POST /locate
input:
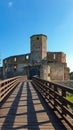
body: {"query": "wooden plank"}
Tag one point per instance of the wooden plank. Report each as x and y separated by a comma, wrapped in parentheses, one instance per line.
(25, 109)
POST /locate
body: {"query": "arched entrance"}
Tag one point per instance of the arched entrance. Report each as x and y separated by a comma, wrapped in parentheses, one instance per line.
(33, 72)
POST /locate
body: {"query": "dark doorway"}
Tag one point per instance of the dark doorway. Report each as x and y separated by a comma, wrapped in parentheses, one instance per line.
(34, 72)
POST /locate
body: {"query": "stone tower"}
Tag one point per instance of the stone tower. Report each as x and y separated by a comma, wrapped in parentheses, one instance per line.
(38, 48)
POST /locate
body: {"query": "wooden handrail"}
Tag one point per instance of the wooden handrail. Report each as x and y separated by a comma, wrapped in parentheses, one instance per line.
(56, 96)
(7, 85)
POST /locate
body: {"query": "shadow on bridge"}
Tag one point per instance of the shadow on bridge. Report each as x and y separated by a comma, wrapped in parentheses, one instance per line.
(52, 118)
(9, 120)
(6, 98)
(35, 106)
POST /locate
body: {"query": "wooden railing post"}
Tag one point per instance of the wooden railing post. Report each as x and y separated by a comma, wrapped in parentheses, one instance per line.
(49, 92)
(63, 103)
(7, 85)
(55, 95)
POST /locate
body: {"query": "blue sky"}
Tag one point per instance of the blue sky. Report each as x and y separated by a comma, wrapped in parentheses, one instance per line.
(19, 19)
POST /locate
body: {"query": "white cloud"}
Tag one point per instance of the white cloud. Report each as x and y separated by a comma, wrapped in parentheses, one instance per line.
(10, 3)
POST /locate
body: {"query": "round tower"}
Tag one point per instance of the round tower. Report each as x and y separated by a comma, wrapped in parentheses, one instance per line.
(38, 48)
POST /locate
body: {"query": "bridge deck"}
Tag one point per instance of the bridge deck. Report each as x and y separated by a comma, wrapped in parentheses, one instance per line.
(25, 109)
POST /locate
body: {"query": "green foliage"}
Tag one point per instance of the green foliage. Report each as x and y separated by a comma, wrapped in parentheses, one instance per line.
(71, 76)
(70, 97)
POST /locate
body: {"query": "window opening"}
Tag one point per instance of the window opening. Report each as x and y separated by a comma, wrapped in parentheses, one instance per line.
(54, 56)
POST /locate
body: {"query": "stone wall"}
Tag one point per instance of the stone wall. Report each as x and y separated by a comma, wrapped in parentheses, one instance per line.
(56, 57)
(56, 71)
(14, 65)
(38, 48)
(45, 72)
(49, 65)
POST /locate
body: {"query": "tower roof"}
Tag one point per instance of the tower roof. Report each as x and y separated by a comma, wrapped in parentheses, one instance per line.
(38, 35)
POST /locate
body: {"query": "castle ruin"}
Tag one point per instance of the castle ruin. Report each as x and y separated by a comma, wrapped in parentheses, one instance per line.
(47, 65)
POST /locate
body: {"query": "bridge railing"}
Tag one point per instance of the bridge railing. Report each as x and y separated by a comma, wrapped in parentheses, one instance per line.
(56, 96)
(7, 85)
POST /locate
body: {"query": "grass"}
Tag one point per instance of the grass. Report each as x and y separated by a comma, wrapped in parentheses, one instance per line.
(70, 97)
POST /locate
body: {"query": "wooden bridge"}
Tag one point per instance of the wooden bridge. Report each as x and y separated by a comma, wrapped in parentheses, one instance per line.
(34, 105)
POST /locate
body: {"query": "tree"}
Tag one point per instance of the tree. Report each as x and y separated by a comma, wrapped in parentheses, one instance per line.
(71, 75)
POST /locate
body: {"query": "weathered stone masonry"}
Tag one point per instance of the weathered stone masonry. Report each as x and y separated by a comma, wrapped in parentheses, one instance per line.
(47, 65)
